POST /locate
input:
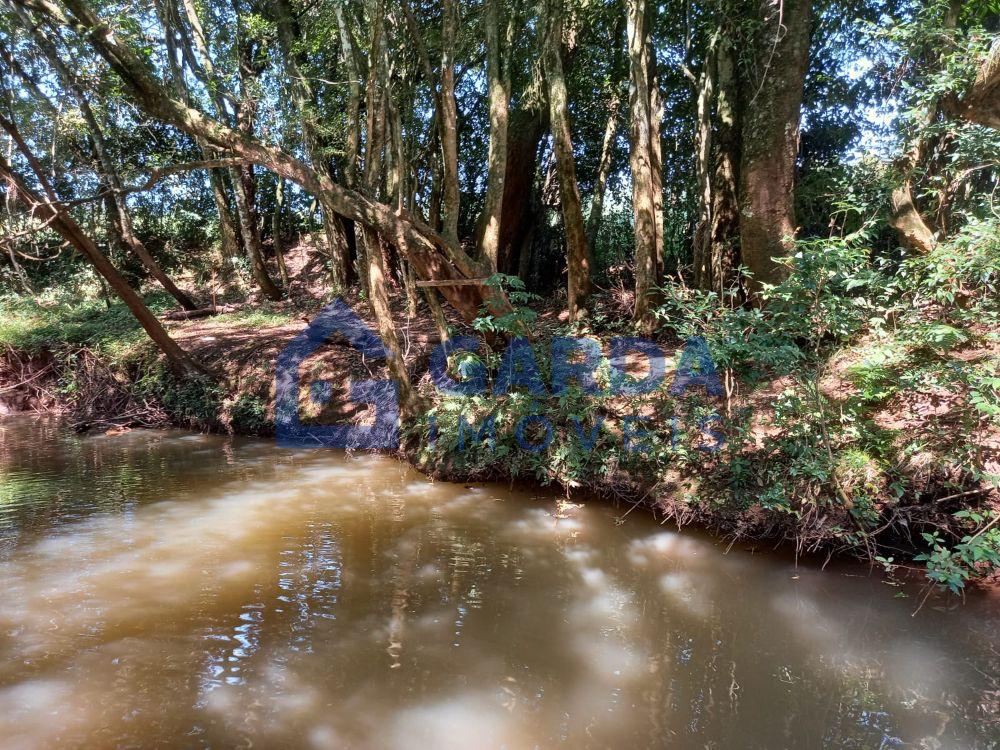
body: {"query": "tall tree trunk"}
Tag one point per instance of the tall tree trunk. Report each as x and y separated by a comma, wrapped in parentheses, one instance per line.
(230, 240)
(577, 264)
(644, 159)
(608, 143)
(349, 55)
(179, 41)
(725, 211)
(603, 172)
(305, 103)
(771, 140)
(251, 236)
(716, 236)
(498, 82)
(58, 219)
(378, 295)
(229, 244)
(527, 127)
(449, 118)
(705, 87)
(249, 67)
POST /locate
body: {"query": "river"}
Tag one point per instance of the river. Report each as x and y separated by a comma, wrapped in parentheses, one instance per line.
(165, 589)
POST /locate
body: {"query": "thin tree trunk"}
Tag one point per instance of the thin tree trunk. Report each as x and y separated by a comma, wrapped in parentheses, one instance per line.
(449, 118)
(229, 235)
(644, 160)
(437, 313)
(305, 102)
(705, 86)
(433, 256)
(603, 172)
(245, 182)
(725, 212)
(577, 264)
(229, 243)
(279, 250)
(107, 172)
(378, 296)
(771, 141)
(607, 144)
(349, 55)
(251, 237)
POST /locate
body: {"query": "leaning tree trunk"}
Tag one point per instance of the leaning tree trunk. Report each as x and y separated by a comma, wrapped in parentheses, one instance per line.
(432, 255)
(905, 217)
(771, 141)
(603, 172)
(644, 159)
(121, 218)
(577, 264)
(55, 216)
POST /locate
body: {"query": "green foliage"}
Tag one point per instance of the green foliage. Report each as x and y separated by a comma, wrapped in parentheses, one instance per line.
(56, 321)
(975, 553)
(248, 415)
(193, 401)
(519, 319)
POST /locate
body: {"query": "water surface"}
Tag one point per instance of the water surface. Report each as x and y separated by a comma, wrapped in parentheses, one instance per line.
(163, 589)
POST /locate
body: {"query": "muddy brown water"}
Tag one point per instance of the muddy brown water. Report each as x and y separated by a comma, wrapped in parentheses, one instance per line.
(163, 589)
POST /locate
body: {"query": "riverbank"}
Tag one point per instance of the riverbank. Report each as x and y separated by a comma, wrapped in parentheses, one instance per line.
(831, 456)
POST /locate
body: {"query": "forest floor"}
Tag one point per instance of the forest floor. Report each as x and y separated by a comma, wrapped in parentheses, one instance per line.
(96, 368)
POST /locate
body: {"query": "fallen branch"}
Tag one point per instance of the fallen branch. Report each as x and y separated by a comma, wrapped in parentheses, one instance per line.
(452, 282)
(23, 383)
(203, 312)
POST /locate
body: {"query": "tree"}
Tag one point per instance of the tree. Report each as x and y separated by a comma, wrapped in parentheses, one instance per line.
(644, 158)
(50, 212)
(119, 213)
(305, 102)
(577, 255)
(498, 74)
(432, 255)
(770, 142)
